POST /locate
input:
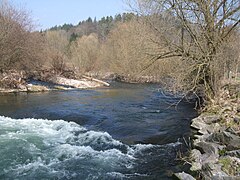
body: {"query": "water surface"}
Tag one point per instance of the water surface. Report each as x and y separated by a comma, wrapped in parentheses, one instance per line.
(122, 132)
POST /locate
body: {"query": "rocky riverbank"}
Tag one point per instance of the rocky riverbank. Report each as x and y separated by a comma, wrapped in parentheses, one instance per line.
(216, 153)
(13, 82)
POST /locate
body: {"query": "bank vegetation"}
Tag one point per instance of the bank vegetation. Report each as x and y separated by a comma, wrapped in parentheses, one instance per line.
(187, 46)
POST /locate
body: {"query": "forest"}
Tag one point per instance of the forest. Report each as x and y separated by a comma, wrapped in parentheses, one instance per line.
(188, 47)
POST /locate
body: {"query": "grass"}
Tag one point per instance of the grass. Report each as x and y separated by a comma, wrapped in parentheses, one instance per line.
(229, 166)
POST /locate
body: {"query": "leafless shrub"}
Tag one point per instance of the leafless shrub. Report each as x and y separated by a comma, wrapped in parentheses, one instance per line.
(20, 47)
(194, 32)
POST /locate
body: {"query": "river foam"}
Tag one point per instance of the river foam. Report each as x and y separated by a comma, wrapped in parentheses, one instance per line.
(40, 148)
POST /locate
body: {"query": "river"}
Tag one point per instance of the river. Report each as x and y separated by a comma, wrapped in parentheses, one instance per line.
(127, 131)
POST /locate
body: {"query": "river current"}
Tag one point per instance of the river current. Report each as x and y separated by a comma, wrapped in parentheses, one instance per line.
(126, 131)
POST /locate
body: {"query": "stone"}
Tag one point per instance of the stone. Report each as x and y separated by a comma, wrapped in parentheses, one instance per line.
(231, 130)
(207, 147)
(231, 141)
(203, 131)
(235, 153)
(199, 125)
(211, 119)
(183, 176)
(198, 138)
(36, 88)
(204, 128)
(81, 84)
(236, 119)
(214, 128)
(196, 123)
(226, 177)
(209, 158)
(210, 170)
(196, 164)
(62, 87)
(217, 148)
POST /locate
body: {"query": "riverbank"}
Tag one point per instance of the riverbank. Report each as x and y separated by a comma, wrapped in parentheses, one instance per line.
(46, 80)
(216, 152)
(13, 82)
(126, 78)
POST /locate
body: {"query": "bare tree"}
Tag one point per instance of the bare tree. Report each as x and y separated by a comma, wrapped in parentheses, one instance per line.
(84, 53)
(128, 48)
(194, 31)
(20, 47)
(57, 45)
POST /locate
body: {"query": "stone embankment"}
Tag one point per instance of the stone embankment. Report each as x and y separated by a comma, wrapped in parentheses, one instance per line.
(216, 140)
(216, 153)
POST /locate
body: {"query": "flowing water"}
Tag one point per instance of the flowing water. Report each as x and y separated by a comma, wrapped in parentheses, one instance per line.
(122, 132)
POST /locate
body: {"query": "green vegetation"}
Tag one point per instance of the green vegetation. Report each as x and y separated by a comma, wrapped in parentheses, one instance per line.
(222, 152)
(229, 165)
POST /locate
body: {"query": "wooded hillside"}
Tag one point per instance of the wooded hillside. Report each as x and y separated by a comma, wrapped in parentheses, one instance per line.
(190, 46)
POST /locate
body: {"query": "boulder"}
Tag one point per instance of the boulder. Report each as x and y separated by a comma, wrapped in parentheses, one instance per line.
(212, 128)
(183, 176)
(231, 141)
(211, 170)
(217, 148)
(74, 83)
(86, 82)
(211, 119)
(204, 128)
(198, 138)
(209, 158)
(235, 153)
(226, 177)
(195, 155)
(199, 124)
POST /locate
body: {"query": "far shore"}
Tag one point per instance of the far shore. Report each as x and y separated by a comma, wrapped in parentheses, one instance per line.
(57, 83)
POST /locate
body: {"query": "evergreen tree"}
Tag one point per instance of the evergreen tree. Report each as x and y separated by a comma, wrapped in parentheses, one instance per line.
(118, 18)
(73, 37)
(89, 20)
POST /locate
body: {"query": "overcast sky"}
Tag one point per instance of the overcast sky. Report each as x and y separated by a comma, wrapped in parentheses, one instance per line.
(48, 13)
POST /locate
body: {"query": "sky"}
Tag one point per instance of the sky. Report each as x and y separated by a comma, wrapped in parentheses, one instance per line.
(48, 13)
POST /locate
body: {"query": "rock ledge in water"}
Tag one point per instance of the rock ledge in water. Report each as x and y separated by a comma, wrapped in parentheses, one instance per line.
(183, 176)
(83, 83)
(58, 83)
